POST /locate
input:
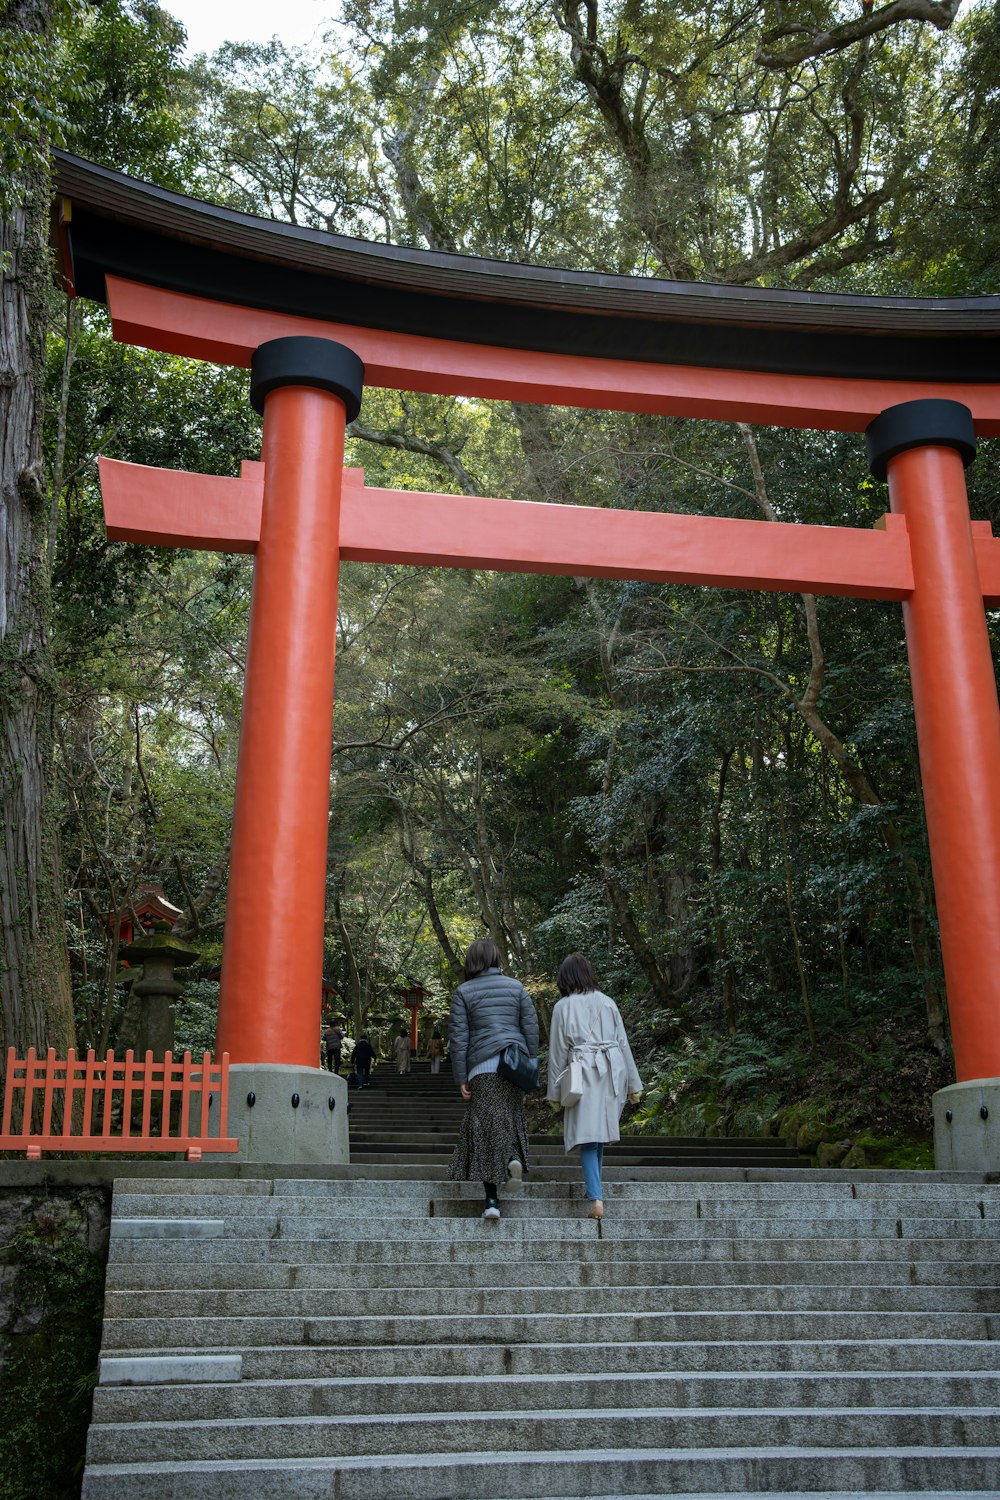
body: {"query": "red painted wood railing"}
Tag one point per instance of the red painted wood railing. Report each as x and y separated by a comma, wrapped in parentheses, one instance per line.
(91, 1105)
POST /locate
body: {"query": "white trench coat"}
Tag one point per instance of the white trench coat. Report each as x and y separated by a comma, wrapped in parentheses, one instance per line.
(589, 1027)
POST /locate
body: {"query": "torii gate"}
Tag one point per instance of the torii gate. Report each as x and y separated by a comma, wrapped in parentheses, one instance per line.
(299, 511)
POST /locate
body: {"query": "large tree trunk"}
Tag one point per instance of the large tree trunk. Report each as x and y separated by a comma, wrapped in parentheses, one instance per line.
(35, 1001)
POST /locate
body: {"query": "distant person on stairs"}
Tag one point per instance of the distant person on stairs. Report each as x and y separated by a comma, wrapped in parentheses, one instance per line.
(591, 1070)
(401, 1051)
(489, 1012)
(364, 1056)
(434, 1050)
(334, 1040)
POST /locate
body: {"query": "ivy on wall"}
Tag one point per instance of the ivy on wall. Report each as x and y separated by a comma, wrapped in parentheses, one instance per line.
(52, 1256)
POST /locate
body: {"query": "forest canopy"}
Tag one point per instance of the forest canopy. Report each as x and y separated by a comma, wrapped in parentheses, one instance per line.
(714, 794)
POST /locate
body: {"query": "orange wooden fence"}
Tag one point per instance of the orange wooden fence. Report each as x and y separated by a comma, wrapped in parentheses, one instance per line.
(91, 1105)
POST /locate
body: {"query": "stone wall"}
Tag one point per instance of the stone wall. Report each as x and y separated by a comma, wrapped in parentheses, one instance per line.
(53, 1252)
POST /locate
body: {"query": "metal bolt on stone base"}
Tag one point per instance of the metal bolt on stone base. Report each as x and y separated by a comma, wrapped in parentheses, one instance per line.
(286, 1115)
(967, 1127)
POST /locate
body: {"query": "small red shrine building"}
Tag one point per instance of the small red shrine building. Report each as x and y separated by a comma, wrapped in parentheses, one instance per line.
(150, 905)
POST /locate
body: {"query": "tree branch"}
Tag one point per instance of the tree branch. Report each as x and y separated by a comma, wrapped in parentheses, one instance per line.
(603, 76)
(938, 13)
(195, 927)
(417, 200)
(844, 215)
(406, 442)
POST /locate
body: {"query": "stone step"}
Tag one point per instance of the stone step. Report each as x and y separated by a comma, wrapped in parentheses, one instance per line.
(398, 1124)
(711, 1196)
(579, 1472)
(361, 1362)
(403, 1126)
(560, 1169)
(168, 1333)
(522, 1302)
(220, 1169)
(341, 1397)
(580, 1242)
(545, 1160)
(810, 1495)
(551, 1200)
(538, 1431)
(569, 1273)
(520, 1224)
(370, 1114)
(619, 1391)
(897, 1188)
(393, 1151)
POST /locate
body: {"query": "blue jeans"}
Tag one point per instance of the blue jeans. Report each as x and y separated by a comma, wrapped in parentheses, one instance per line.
(592, 1160)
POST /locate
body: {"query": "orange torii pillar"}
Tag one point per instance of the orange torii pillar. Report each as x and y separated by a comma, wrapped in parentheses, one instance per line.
(922, 448)
(288, 1109)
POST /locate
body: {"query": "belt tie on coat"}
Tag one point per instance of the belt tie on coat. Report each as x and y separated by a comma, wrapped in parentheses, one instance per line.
(606, 1058)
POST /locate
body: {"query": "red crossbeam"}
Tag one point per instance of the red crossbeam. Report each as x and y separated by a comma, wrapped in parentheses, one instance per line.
(171, 508)
(227, 334)
(166, 507)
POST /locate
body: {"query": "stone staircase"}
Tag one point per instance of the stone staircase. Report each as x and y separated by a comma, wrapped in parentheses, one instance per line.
(731, 1331)
(413, 1120)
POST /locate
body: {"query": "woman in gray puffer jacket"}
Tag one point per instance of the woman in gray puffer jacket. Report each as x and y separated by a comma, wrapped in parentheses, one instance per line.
(489, 1012)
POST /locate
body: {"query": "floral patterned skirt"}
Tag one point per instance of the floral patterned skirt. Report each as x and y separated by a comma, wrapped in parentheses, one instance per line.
(494, 1131)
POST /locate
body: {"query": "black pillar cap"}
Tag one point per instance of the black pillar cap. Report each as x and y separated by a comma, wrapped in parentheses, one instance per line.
(321, 363)
(919, 424)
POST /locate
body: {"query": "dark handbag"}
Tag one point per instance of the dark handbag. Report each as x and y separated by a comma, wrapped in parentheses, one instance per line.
(518, 1068)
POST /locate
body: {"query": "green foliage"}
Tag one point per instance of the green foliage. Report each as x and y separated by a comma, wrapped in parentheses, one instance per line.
(50, 1369)
(131, 115)
(711, 1085)
(897, 1156)
(38, 84)
(195, 1014)
(871, 1086)
(283, 138)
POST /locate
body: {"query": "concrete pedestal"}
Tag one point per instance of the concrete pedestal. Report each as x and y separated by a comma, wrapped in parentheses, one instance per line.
(967, 1126)
(277, 1129)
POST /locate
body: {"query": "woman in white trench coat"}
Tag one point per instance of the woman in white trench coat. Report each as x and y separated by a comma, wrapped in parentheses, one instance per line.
(589, 1055)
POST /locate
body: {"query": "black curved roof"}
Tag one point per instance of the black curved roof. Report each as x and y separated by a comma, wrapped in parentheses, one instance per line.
(120, 226)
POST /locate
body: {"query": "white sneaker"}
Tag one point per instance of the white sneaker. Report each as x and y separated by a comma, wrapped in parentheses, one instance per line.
(492, 1209)
(515, 1175)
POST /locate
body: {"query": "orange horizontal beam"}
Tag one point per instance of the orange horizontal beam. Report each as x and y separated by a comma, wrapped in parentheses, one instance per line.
(449, 531)
(226, 334)
(172, 508)
(988, 562)
(166, 507)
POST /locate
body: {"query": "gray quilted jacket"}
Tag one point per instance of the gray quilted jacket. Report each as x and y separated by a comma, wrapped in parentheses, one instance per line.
(487, 1014)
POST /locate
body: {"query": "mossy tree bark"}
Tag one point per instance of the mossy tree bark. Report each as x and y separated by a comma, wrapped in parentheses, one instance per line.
(35, 1001)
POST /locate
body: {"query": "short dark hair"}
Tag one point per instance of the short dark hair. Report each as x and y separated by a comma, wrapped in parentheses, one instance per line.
(483, 954)
(576, 975)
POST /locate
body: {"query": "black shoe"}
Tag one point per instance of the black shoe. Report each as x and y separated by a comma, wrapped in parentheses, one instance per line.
(492, 1209)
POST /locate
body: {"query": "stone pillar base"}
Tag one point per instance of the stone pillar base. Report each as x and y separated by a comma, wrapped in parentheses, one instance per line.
(275, 1130)
(967, 1126)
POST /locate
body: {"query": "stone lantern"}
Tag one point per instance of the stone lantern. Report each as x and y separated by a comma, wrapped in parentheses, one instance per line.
(152, 998)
